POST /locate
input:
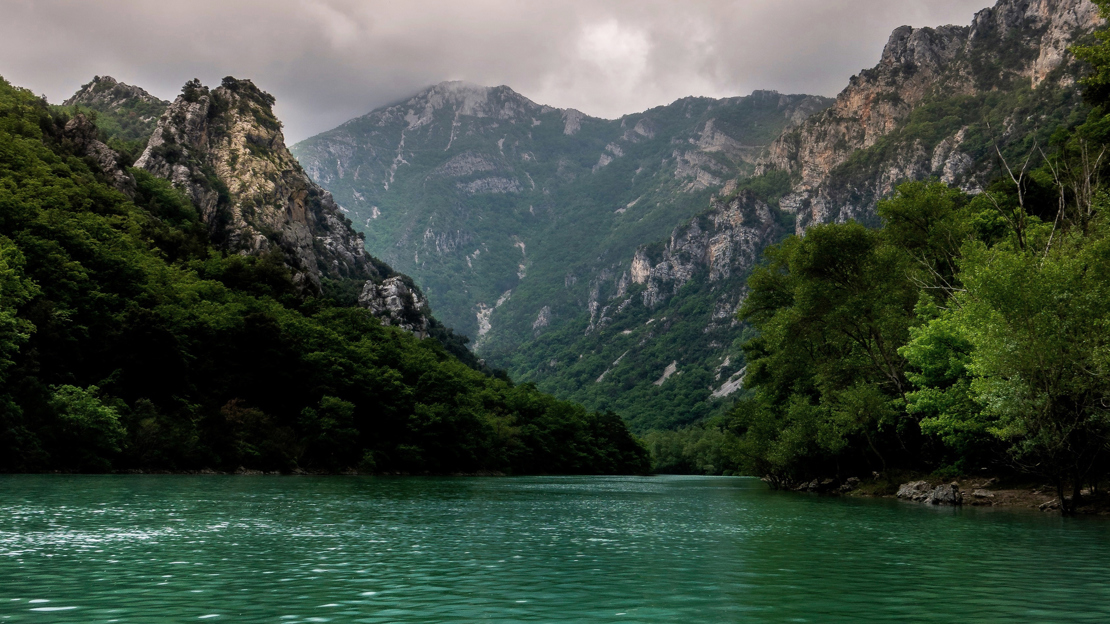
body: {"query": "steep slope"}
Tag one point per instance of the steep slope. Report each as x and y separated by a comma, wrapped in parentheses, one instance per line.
(125, 112)
(129, 342)
(225, 148)
(940, 103)
(660, 344)
(503, 209)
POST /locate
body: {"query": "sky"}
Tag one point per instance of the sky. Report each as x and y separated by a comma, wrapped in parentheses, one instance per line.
(327, 61)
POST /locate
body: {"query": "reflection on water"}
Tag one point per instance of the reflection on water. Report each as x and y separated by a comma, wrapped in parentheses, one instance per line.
(586, 549)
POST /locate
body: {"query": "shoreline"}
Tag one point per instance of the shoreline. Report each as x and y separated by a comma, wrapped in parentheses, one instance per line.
(994, 492)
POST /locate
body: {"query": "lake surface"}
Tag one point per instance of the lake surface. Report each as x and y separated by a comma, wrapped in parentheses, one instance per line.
(582, 549)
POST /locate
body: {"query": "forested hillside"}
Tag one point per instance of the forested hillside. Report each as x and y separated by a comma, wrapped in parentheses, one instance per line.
(130, 339)
(968, 333)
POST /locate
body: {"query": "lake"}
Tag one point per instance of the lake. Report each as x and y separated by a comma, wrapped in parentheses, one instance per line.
(531, 549)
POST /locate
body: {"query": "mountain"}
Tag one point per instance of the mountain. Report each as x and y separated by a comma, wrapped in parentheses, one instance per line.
(942, 102)
(185, 323)
(939, 104)
(125, 112)
(225, 148)
(502, 209)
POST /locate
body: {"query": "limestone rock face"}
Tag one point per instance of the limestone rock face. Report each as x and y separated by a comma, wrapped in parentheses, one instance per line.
(946, 494)
(225, 148)
(727, 240)
(83, 134)
(915, 490)
(916, 65)
(396, 303)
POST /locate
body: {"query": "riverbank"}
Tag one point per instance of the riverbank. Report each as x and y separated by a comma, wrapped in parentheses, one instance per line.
(1008, 492)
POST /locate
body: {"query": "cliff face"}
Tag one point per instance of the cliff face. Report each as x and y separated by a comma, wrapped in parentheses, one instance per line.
(1018, 45)
(225, 148)
(85, 138)
(726, 241)
(660, 342)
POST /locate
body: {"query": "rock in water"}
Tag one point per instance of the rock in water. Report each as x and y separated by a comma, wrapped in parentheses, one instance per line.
(915, 490)
(947, 494)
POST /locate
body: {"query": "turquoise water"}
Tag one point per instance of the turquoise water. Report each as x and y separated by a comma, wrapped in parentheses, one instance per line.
(581, 549)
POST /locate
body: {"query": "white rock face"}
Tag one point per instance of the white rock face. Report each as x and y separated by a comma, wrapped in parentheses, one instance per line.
(396, 304)
(727, 240)
(915, 64)
(734, 383)
(270, 201)
(543, 319)
(671, 369)
(572, 120)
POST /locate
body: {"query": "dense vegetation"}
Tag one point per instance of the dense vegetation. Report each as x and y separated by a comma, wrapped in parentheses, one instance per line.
(128, 341)
(967, 333)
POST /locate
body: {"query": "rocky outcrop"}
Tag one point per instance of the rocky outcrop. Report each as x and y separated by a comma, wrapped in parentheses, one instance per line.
(397, 303)
(105, 92)
(225, 148)
(727, 240)
(1016, 39)
(921, 491)
(84, 136)
(129, 111)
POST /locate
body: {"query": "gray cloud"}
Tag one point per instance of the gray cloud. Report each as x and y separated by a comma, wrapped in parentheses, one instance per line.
(329, 60)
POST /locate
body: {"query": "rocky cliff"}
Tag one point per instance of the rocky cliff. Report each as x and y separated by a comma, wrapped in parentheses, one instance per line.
(225, 148)
(660, 342)
(725, 241)
(951, 77)
(105, 92)
(124, 110)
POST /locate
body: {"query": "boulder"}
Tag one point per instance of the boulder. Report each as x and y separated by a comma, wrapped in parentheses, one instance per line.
(851, 483)
(914, 490)
(947, 494)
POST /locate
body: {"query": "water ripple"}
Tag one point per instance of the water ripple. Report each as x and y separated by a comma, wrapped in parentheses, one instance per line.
(662, 549)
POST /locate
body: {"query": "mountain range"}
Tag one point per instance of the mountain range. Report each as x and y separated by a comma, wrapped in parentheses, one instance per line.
(604, 260)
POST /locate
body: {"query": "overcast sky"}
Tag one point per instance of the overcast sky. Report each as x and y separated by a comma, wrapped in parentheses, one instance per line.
(327, 61)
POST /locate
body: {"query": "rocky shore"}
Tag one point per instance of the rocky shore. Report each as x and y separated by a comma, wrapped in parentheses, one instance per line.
(974, 492)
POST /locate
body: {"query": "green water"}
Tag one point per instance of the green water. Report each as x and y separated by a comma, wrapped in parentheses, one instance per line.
(586, 549)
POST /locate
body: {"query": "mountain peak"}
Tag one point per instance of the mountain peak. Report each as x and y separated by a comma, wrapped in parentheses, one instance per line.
(263, 200)
(105, 92)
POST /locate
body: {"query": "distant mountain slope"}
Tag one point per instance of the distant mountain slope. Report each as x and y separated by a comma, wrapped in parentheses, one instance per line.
(503, 209)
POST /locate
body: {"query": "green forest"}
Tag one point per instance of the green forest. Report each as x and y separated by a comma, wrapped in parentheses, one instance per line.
(128, 341)
(966, 334)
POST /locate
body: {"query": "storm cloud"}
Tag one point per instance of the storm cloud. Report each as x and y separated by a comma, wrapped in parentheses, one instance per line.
(327, 61)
